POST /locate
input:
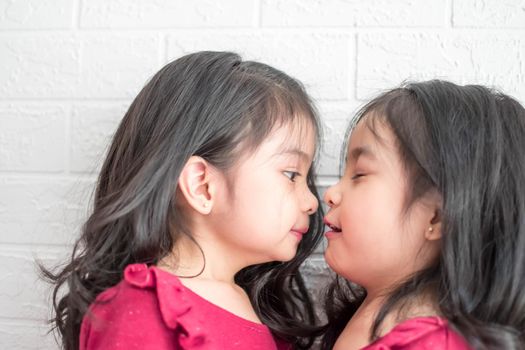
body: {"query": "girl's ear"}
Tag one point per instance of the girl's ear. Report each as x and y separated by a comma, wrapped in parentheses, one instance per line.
(195, 183)
(433, 231)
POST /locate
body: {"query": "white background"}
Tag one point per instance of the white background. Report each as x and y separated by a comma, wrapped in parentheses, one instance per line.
(69, 69)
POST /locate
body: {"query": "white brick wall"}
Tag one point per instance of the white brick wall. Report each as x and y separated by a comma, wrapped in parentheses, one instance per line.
(69, 69)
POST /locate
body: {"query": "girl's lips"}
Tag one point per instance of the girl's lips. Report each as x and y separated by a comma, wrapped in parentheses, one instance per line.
(331, 226)
(299, 232)
(332, 234)
(334, 230)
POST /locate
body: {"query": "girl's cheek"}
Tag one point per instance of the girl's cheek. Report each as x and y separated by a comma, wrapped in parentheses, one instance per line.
(346, 213)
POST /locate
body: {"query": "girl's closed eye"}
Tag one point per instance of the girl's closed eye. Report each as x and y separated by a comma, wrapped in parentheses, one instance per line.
(356, 176)
(291, 175)
(358, 172)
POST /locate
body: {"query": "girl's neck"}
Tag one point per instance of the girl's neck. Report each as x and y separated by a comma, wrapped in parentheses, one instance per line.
(212, 278)
(356, 334)
(205, 261)
(411, 306)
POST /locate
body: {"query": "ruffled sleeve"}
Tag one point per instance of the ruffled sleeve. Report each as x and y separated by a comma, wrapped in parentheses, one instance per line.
(149, 309)
(174, 304)
(424, 333)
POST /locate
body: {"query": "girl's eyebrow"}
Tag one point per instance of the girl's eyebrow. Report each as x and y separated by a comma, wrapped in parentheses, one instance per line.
(357, 152)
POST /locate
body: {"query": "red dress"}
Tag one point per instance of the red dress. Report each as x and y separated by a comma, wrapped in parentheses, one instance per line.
(152, 309)
(424, 333)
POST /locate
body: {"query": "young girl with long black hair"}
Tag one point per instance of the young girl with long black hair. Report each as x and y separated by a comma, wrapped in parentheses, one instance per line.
(204, 210)
(428, 222)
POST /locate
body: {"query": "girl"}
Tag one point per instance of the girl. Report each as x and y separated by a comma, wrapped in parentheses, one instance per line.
(429, 221)
(204, 210)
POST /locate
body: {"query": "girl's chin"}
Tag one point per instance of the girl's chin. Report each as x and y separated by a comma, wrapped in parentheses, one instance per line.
(284, 256)
(332, 262)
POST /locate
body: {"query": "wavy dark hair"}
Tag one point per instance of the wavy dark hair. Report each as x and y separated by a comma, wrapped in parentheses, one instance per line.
(208, 104)
(468, 143)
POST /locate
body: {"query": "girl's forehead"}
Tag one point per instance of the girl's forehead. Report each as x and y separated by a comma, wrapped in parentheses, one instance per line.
(371, 135)
(299, 133)
(364, 132)
(285, 140)
(302, 137)
(291, 139)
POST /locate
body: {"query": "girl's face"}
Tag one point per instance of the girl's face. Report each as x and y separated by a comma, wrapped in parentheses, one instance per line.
(371, 241)
(266, 212)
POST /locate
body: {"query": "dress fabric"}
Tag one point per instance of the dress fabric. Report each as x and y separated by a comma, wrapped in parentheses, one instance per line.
(424, 333)
(151, 309)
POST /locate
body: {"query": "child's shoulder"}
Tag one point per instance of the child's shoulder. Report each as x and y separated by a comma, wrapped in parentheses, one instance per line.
(146, 306)
(421, 333)
(144, 288)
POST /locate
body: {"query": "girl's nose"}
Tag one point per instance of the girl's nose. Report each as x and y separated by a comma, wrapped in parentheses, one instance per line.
(312, 203)
(332, 197)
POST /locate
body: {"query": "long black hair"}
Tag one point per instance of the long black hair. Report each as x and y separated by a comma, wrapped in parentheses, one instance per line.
(468, 143)
(208, 104)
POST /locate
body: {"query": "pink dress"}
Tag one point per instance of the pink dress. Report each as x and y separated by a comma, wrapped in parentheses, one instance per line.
(424, 333)
(151, 309)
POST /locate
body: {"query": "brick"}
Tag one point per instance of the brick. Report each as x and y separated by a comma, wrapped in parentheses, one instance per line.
(43, 211)
(38, 66)
(23, 335)
(344, 13)
(36, 14)
(117, 66)
(463, 58)
(92, 129)
(23, 294)
(320, 60)
(336, 119)
(167, 13)
(317, 277)
(25, 134)
(69, 66)
(489, 13)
